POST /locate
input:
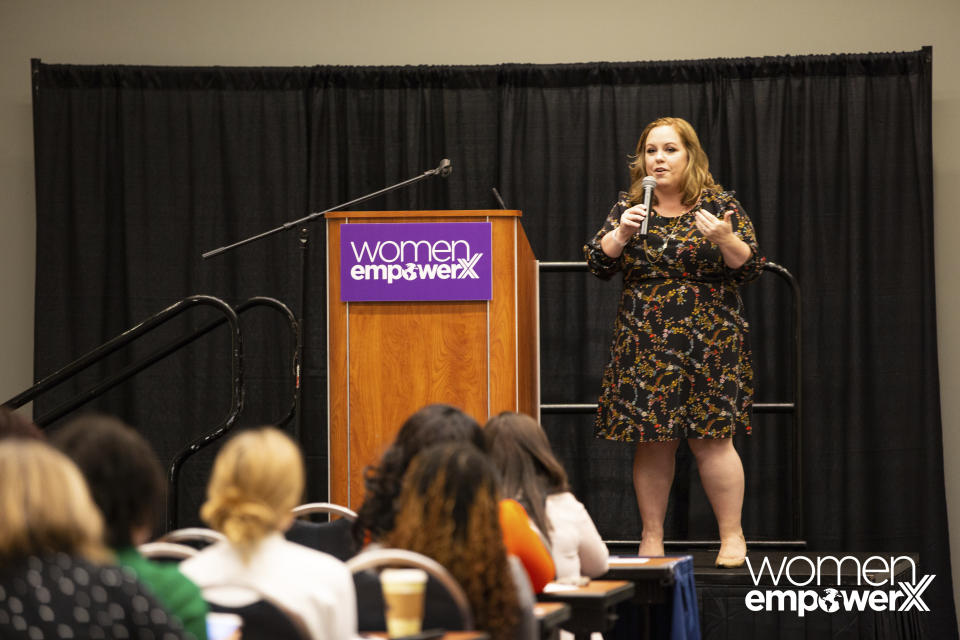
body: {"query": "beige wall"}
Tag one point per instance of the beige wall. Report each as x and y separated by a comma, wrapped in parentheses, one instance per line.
(372, 32)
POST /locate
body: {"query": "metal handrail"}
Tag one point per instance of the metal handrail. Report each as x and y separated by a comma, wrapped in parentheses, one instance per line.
(205, 440)
(173, 473)
(230, 316)
(793, 407)
(796, 300)
(96, 355)
(125, 338)
(295, 357)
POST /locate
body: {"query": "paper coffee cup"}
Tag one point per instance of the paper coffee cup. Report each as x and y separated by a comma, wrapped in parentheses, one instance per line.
(403, 591)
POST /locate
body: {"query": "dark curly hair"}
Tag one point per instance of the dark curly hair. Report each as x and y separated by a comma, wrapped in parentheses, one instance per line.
(433, 424)
(448, 510)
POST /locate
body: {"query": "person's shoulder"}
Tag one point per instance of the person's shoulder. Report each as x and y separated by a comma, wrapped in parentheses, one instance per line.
(164, 577)
(179, 594)
(564, 497)
(120, 581)
(511, 509)
(303, 556)
(718, 196)
(565, 501)
(306, 564)
(208, 563)
(717, 201)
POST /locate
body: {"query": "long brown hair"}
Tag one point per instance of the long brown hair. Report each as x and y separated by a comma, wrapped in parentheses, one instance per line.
(696, 175)
(449, 510)
(521, 451)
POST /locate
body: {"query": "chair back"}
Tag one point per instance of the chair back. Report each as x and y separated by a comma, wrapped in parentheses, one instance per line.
(195, 536)
(160, 551)
(381, 558)
(335, 537)
(324, 507)
(264, 618)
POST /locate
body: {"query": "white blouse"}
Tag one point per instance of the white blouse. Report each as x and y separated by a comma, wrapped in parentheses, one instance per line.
(313, 584)
(576, 545)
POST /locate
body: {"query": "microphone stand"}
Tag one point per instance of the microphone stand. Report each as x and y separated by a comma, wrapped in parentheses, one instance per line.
(443, 169)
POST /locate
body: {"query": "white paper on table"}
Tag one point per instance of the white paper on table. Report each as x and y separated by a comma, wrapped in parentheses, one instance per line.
(618, 561)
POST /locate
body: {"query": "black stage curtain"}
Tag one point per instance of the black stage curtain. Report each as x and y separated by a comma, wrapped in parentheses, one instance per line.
(140, 169)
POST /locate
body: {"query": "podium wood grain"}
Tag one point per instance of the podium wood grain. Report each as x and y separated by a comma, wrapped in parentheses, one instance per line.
(388, 359)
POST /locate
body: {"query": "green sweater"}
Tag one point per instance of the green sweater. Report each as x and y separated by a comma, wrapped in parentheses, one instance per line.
(180, 596)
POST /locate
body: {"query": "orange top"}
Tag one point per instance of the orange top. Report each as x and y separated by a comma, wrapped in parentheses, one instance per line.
(523, 541)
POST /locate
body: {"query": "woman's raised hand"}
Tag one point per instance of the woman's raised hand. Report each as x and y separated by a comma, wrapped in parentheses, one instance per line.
(716, 230)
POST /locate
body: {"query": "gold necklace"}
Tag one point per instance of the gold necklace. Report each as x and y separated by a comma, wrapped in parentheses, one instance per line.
(674, 228)
(673, 233)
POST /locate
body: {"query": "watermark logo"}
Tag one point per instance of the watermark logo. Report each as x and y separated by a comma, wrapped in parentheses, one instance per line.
(804, 584)
(415, 261)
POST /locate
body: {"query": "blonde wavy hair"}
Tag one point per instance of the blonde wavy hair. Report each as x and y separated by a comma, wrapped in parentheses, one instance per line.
(696, 175)
(257, 479)
(449, 510)
(45, 505)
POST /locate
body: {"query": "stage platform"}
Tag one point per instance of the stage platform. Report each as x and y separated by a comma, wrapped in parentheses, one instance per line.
(789, 595)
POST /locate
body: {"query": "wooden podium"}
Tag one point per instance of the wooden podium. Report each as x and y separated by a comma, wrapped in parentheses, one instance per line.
(385, 360)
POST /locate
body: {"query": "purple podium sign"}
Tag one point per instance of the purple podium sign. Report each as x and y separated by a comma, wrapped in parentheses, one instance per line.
(415, 261)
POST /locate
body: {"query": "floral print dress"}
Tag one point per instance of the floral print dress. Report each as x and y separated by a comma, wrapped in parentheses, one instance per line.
(680, 363)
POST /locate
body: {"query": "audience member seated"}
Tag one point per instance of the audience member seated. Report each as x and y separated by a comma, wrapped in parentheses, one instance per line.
(257, 479)
(127, 483)
(448, 509)
(15, 425)
(531, 473)
(432, 425)
(55, 576)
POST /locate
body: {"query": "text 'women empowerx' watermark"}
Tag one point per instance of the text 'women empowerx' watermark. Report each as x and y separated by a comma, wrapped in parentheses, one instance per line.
(870, 584)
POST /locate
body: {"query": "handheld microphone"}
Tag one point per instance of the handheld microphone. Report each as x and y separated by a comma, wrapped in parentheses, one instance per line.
(649, 183)
(444, 168)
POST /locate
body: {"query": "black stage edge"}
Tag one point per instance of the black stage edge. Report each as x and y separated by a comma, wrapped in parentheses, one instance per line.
(722, 597)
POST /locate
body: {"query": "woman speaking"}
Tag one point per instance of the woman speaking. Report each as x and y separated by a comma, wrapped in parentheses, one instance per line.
(680, 359)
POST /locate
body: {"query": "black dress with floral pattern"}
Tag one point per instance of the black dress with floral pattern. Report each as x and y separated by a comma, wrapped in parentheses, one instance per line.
(680, 363)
